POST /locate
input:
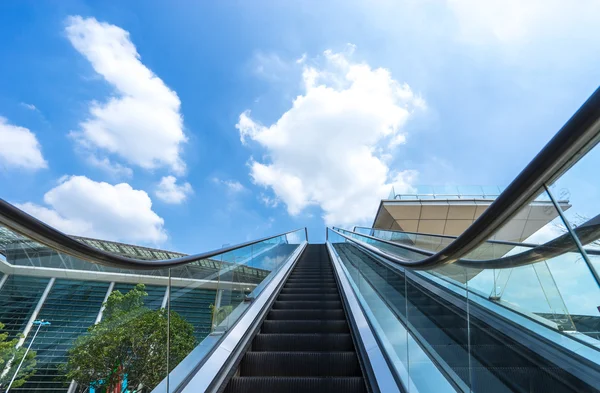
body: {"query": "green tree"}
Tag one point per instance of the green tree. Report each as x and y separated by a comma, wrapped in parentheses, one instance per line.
(219, 314)
(10, 357)
(130, 342)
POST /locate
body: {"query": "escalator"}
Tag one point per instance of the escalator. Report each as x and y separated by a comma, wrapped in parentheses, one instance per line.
(304, 344)
(479, 351)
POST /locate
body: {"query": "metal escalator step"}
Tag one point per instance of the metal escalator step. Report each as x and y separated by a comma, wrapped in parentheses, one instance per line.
(308, 290)
(296, 385)
(313, 268)
(310, 285)
(309, 276)
(308, 296)
(309, 273)
(536, 379)
(306, 342)
(316, 279)
(453, 321)
(434, 309)
(316, 282)
(307, 305)
(305, 326)
(500, 355)
(447, 336)
(300, 364)
(454, 355)
(306, 314)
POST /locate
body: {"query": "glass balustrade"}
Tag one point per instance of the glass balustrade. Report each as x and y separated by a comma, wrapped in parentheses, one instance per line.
(115, 329)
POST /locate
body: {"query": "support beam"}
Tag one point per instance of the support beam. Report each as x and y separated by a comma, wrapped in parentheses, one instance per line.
(36, 312)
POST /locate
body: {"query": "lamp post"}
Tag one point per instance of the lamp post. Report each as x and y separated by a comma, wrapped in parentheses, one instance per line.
(40, 324)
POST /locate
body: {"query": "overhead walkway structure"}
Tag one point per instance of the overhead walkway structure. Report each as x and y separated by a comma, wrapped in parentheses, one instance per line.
(370, 310)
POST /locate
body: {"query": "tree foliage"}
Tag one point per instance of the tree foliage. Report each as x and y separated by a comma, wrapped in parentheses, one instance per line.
(130, 342)
(219, 314)
(10, 357)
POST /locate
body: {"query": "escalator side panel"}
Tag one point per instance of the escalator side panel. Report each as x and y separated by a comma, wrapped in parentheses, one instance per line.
(484, 358)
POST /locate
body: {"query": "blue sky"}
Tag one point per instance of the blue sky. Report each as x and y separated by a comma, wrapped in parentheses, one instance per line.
(189, 126)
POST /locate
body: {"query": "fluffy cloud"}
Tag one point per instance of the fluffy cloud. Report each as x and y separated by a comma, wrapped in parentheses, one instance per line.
(112, 168)
(142, 122)
(328, 149)
(80, 206)
(20, 147)
(169, 191)
(233, 186)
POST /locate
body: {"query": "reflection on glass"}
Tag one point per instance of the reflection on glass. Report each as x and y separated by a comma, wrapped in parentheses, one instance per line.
(558, 291)
(107, 312)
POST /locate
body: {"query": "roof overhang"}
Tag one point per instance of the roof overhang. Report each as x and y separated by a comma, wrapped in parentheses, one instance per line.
(453, 216)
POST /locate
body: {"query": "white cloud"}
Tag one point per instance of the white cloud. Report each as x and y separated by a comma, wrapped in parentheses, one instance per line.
(519, 22)
(31, 107)
(233, 186)
(80, 206)
(112, 168)
(327, 149)
(142, 122)
(169, 191)
(268, 201)
(19, 147)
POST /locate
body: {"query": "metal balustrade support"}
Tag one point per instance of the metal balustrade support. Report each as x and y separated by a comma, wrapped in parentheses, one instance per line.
(574, 237)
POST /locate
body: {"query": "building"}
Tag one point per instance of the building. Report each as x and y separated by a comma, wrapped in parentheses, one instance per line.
(39, 283)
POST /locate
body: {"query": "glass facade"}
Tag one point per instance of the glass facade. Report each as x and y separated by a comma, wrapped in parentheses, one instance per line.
(153, 301)
(18, 297)
(71, 307)
(193, 304)
(38, 283)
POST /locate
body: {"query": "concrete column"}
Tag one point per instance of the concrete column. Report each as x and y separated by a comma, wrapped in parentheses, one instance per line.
(165, 298)
(36, 312)
(3, 280)
(111, 287)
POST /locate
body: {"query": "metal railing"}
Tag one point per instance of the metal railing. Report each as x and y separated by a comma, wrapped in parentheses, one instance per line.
(34, 229)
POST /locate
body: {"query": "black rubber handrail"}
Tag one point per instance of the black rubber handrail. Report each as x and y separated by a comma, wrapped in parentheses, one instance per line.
(587, 232)
(580, 134)
(34, 229)
(504, 242)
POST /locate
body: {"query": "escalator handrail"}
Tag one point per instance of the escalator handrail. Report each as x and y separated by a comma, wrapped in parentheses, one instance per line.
(561, 245)
(587, 233)
(504, 242)
(32, 228)
(580, 134)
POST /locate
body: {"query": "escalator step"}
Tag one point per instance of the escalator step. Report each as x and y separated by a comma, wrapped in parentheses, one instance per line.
(314, 268)
(296, 385)
(321, 279)
(305, 326)
(318, 342)
(304, 344)
(310, 285)
(300, 364)
(307, 305)
(308, 290)
(308, 296)
(446, 321)
(448, 336)
(306, 314)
